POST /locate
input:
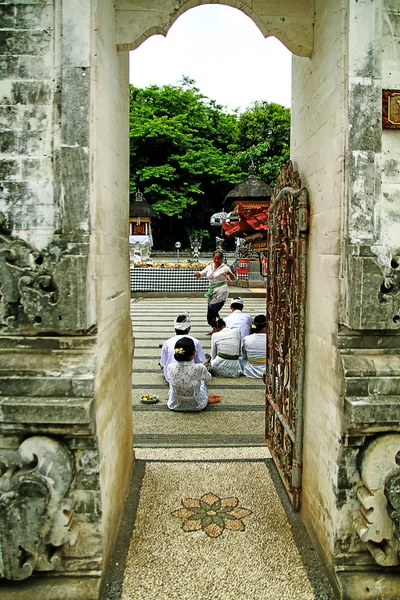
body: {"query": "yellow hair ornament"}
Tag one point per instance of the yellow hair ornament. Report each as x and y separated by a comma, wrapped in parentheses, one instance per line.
(179, 351)
(253, 326)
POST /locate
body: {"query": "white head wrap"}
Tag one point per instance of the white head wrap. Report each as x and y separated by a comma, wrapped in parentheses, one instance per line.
(237, 301)
(185, 323)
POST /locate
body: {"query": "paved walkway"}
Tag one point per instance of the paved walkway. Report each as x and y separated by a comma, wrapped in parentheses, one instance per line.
(207, 517)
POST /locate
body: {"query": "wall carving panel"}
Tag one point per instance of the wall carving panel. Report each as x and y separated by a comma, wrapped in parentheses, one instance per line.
(378, 495)
(41, 290)
(35, 511)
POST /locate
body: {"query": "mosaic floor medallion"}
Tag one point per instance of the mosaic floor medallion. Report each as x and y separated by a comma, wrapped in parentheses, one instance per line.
(211, 514)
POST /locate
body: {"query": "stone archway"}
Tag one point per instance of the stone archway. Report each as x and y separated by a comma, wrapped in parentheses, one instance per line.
(292, 25)
(65, 330)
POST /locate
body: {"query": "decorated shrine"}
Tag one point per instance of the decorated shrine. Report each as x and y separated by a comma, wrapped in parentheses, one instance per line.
(140, 236)
(248, 223)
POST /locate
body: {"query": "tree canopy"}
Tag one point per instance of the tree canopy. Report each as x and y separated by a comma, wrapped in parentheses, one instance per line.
(187, 152)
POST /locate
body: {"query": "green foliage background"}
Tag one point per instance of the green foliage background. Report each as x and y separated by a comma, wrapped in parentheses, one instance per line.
(187, 152)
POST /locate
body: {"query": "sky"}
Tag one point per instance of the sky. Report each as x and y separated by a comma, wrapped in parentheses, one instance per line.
(223, 50)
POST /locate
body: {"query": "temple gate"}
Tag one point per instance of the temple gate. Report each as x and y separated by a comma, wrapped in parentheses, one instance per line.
(286, 296)
(65, 342)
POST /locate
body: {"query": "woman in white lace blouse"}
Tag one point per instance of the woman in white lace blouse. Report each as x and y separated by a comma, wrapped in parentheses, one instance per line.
(187, 380)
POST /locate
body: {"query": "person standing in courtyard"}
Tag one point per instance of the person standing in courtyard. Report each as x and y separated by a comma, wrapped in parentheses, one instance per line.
(254, 349)
(182, 326)
(218, 274)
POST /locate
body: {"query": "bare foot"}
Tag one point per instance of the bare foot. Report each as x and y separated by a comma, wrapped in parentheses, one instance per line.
(214, 399)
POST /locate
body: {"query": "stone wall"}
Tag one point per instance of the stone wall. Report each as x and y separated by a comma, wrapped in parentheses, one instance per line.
(318, 139)
(65, 330)
(291, 22)
(113, 382)
(352, 373)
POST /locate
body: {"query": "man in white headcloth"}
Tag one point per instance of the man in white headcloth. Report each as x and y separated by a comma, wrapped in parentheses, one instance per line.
(182, 326)
(238, 319)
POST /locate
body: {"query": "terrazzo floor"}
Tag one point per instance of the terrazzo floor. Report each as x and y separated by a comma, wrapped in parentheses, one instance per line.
(207, 517)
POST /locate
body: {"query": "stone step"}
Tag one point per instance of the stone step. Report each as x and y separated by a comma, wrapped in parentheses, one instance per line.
(65, 387)
(59, 411)
(197, 441)
(211, 423)
(371, 411)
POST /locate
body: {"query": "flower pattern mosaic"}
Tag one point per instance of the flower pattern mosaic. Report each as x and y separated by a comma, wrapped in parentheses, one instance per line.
(211, 514)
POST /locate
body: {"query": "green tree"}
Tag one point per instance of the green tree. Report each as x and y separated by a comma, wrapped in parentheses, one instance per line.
(187, 152)
(264, 138)
(182, 147)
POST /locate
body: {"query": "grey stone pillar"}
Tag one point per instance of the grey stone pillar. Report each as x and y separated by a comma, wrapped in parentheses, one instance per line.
(56, 391)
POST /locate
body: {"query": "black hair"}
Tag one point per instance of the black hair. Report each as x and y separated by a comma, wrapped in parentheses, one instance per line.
(259, 322)
(184, 349)
(237, 306)
(218, 252)
(218, 323)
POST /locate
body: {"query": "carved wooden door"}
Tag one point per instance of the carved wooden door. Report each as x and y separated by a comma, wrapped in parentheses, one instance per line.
(286, 290)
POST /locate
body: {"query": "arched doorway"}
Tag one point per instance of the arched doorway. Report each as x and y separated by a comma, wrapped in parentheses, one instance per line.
(64, 285)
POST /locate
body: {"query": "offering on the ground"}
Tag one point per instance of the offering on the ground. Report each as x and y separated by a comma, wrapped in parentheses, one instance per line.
(214, 399)
(186, 264)
(149, 399)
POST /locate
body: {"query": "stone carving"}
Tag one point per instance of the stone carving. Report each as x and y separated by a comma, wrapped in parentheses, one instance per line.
(392, 492)
(35, 514)
(41, 290)
(378, 494)
(195, 245)
(24, 279)
(389, 292)
(140, 252)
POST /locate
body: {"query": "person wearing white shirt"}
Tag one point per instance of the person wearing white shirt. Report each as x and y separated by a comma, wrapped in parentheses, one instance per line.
(218, 275)
(182, 326)
(238, 319)
(225, 349)
(254, 349)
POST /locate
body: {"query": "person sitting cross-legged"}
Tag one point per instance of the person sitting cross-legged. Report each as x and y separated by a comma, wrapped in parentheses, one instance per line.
(182, 326)
(225, 348)
(187, 381)
(254, 349)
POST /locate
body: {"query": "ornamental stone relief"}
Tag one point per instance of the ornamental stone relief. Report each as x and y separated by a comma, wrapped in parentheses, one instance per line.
(35, 511)
(378, 524)
(41, 290)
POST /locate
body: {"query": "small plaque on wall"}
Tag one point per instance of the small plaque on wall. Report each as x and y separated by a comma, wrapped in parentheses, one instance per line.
(391, 109)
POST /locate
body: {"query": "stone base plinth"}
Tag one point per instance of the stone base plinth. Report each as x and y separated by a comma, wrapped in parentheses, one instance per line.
(51, 588)
(370, 585)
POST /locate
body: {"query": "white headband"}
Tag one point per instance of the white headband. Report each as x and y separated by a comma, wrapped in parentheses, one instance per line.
(237, 301)
(185, 324)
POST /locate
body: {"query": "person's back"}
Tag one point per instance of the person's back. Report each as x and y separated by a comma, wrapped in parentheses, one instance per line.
(187, 387)
(186, 377)
(239, 320)
(225, 349)
(226, 341)
(254, 349)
